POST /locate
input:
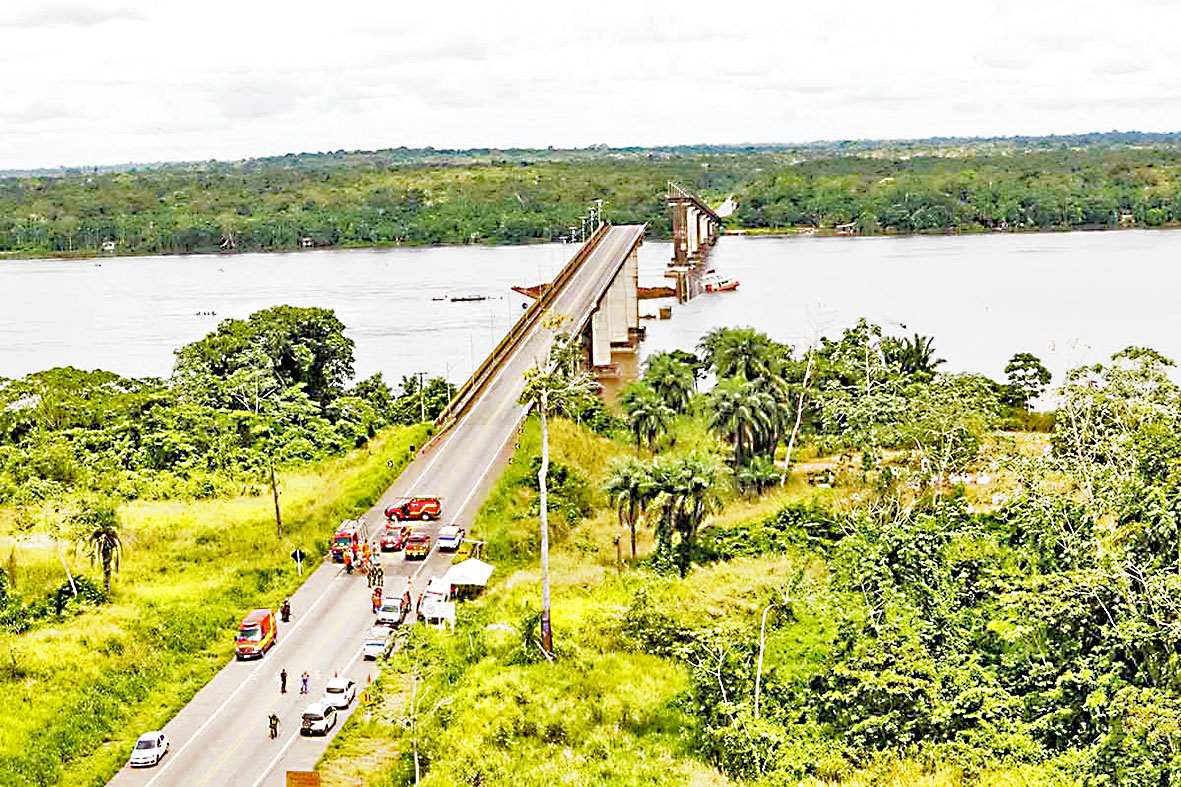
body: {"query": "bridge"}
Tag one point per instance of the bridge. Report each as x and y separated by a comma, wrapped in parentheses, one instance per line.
(221, 736)
(695, 230)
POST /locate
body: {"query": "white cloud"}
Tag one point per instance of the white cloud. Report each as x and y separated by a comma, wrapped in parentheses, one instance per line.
(117, 80)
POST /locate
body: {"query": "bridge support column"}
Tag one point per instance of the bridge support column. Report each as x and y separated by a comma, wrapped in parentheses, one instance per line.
(631, 280)
(601, 336)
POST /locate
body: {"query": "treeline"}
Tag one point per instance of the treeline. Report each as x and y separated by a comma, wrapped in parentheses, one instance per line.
(257, 393)
(425, 197)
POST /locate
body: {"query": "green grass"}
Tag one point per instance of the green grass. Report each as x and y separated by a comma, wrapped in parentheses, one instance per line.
(80, 691)
(603, 714)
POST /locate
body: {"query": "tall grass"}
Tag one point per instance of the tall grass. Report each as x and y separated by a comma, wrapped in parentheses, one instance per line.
(603, 714)
(80, 691)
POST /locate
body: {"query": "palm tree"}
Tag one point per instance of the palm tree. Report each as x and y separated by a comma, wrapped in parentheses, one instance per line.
(739, 352)
(648, 416)
(698, 497)
(914, 356)
(742, 415)
(101, 539)
(673, 380)
(681, 491)
(628, 489)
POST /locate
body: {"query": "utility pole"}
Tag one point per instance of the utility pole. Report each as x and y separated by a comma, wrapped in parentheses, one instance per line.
(422, 394)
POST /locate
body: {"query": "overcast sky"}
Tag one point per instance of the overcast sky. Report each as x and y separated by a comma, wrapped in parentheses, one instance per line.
(109, 81)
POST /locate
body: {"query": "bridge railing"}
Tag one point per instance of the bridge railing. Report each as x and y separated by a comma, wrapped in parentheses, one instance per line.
(468, 391)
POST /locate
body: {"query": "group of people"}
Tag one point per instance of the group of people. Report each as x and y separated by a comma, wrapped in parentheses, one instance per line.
(363, 558)
(273, 719)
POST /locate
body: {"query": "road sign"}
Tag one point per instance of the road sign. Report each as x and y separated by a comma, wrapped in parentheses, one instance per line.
(303, 779)
(298, 555)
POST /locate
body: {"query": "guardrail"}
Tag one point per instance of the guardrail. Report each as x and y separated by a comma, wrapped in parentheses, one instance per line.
(467, 392)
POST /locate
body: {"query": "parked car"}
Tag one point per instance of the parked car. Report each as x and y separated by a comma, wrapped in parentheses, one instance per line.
(418, 546)
(392, 612)
(415, 508)
(450, 538)
(437, 589)
(256, 634)
(318, 718)
(149, 749)
(377, 642)
(394, 537)
(340, 693)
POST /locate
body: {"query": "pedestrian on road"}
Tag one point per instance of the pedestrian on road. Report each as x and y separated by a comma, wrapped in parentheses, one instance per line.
(303, 686)
(273, 721)
(376, 599)
(283, 682)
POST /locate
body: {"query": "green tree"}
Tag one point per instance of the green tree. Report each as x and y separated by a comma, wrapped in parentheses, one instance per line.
(1027, 380)
(627, 486)
(672, 379)
(747, 417)
(99, 537)
(648, 417)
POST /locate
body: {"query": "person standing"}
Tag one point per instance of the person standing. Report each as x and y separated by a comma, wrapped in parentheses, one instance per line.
(283, 682)
(303, 682)
(273, 722)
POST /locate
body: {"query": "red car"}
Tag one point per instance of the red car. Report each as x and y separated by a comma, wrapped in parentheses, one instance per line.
(394, 537)
(415, 508)
(418, 546)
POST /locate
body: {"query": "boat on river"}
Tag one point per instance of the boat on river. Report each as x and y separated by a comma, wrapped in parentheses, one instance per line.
(716, 282)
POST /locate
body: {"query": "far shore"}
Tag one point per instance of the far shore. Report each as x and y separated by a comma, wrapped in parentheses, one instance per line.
(761, 232)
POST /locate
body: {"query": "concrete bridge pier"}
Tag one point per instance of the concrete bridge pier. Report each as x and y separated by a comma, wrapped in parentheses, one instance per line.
(695, 231)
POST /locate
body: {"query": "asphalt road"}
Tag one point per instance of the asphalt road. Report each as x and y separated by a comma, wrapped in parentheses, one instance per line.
(221, 736)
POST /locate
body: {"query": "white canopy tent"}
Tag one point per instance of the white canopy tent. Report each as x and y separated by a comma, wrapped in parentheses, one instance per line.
(469, 572)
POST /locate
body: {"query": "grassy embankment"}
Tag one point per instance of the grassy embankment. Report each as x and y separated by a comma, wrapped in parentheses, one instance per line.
(80, 691)
(490, 710)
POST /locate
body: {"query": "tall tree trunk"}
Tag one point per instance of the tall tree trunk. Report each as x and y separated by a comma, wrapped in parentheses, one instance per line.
(547, 640)
(795, 430)
(275, 495)
(106, 556)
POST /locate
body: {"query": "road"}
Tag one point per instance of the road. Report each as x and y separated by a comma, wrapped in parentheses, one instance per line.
(221, 737)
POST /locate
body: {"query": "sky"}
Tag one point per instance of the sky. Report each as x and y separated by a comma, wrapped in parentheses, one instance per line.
(87, 82)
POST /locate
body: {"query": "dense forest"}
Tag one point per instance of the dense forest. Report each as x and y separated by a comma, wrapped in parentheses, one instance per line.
(422, 197)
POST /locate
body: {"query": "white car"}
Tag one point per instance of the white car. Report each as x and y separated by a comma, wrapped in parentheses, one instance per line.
(377, 642)
(450, 538)
(391, 612)
(437, 589)
(149, 749)
(318, 718)
(340, 693)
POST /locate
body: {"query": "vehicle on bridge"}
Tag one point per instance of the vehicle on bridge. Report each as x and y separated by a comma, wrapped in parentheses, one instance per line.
(348, 537)
(450, 538)
(318, 719)
(256, 634)
(424, 508)
(418, 546)
(394, 537)
(149, 749)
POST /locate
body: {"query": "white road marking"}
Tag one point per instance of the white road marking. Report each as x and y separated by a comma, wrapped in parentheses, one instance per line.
(253, 674)
(271, 766)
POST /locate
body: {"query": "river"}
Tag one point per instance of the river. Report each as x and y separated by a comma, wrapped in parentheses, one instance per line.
(1070, 298)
